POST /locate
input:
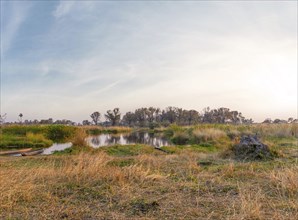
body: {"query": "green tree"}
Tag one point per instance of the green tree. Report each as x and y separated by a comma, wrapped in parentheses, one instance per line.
(95, 117)
(20, 117)
(113, 116)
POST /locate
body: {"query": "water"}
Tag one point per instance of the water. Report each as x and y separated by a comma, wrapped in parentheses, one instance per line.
(51, 149)
(112, 139)
(125, 139)
(56, 147)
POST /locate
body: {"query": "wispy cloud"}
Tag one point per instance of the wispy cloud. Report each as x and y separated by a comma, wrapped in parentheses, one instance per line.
(11, 22)
(63, 8)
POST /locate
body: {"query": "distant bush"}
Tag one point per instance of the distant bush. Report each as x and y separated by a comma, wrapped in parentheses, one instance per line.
(173, 129)
(153, 125)
(180, 138)
(59, 132)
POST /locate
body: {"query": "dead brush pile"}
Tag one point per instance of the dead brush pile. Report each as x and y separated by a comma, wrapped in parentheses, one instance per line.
(250, 148)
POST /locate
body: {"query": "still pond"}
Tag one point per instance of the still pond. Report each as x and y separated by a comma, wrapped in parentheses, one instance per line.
(115, 139)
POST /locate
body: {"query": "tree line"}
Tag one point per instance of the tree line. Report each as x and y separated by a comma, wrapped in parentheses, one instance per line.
(155, 117)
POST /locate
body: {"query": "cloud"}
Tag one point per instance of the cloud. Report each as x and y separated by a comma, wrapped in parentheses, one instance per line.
(63, 8)
(99, 54)
(17, 13)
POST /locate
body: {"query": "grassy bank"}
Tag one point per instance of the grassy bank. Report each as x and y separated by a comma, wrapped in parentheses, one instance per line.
(29, 140)
(20, 136)
(96, 130)
(225, 133)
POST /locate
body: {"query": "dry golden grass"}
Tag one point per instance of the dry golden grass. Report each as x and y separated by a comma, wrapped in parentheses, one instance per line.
(148, 186)
(79, 138)
(278, 130)
(119, 129)
(285, 181)
(208, 134)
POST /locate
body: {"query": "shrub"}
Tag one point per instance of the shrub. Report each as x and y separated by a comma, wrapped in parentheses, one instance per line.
(79, 138)
(59, 132)
(180, 138)
(153, 125)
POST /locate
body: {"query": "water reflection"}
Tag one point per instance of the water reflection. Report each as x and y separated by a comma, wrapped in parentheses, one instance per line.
(112, 139)
(125, 139)
(56, 147)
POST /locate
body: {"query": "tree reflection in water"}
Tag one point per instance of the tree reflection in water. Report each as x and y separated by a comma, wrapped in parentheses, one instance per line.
(124, 139)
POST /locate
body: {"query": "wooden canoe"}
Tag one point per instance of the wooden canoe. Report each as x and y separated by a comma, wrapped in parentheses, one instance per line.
(15, 151)
(32, 153)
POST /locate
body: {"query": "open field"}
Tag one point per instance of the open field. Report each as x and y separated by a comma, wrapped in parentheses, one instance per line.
(197, 181)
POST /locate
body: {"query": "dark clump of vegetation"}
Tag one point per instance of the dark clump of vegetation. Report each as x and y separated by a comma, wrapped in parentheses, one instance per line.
(250, 148)
(59, 132)
(180, 138)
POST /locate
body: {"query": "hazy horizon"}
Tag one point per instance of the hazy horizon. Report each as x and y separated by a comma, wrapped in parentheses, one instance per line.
(67, 59)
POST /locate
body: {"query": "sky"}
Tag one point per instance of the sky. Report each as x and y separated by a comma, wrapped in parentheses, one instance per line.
(67, 59)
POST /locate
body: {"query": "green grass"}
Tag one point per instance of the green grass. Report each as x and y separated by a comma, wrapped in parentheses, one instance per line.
(73, 150)
(59, 132)
(30, 140)
(22, 130)
(127, 150)
(194, 148)
(34, 136)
